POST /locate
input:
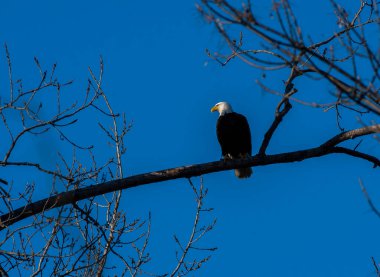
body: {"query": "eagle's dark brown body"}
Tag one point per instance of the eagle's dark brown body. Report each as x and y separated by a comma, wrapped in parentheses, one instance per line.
(234, 136)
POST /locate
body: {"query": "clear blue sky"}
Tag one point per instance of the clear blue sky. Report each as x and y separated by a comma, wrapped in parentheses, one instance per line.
(301, 219)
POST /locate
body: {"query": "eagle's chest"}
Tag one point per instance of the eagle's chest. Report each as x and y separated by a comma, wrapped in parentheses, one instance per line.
(233, 134)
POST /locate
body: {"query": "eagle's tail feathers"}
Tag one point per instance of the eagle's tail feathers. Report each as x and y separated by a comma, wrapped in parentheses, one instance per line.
(243, 172)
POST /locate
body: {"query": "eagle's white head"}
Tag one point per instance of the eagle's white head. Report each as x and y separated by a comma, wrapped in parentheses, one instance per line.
(222, 108)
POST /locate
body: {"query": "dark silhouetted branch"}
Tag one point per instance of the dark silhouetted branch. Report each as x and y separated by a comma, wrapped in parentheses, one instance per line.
(281, 110)
(352, 134)
(70, 197)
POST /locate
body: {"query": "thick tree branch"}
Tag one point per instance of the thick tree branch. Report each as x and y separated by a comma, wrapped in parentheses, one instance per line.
(70, 197)
(352, 134)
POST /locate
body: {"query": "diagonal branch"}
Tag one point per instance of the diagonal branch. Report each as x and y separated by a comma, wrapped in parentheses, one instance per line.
(352, 134)
(72, 196)
(369, 200)
(280, 114)
(282, 109)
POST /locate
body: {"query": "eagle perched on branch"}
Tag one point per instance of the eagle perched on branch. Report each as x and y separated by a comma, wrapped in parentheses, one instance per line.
(234, 136)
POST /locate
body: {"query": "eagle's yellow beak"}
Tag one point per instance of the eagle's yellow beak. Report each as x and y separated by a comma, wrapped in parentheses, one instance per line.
(215, 108)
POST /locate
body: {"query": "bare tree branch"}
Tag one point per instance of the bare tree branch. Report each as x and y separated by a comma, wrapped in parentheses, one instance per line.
(352, 135)
(376, 267)
(73, 196)
(281, 110)
(184, 267)
(368, 198)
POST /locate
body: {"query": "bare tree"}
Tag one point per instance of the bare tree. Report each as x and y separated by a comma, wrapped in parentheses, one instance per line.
(90, 198)
(75, 239)
(346, 59)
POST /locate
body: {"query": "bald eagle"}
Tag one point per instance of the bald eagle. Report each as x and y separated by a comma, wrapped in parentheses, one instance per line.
(234, 136)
